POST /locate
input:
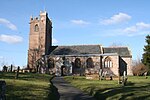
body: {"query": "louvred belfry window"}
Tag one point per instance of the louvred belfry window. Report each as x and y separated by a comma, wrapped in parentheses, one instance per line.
(36, 28)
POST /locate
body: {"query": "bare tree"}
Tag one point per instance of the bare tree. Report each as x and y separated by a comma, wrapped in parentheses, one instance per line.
(139, 68)
(116, 44)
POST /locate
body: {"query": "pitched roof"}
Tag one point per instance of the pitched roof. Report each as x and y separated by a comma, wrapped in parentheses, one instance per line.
(122, 51)
(76, 50)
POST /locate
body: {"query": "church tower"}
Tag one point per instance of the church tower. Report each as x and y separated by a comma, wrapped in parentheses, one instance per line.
(40, 38)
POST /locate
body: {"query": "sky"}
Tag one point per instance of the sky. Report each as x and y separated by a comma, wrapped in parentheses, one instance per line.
(75, 22)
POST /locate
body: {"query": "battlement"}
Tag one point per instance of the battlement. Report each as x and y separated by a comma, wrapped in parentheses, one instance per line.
(34, 18)
(42, 13)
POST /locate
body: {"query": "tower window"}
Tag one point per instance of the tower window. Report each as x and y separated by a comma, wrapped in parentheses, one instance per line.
(36, 28)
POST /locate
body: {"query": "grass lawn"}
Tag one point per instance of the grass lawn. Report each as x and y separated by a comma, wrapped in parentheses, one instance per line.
(29, 86)
(138, 88)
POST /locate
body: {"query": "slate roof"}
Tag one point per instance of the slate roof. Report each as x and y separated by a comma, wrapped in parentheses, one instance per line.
(77, 50)
(122, 51)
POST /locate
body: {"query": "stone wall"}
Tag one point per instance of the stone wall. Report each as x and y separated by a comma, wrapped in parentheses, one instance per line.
(128, 60)
(68, 63)
(115, 65)
(83, 68)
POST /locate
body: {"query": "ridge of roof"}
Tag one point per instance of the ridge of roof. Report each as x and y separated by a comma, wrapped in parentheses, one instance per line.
(116, 47)
(80, 45)
(121, 50)
(77, 49)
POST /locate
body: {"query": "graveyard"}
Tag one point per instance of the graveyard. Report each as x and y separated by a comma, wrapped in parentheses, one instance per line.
(137, 88)
(29, 86)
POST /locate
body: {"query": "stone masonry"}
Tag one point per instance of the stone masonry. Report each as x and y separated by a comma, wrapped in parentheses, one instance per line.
(75, 59)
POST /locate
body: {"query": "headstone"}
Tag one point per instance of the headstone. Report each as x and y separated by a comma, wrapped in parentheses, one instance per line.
(100, 74)
(145, 74)
(2, 90)
(17, 74)
(124, 78)
(11, 67)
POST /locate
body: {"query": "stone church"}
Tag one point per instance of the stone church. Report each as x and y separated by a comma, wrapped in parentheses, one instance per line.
(75, 59)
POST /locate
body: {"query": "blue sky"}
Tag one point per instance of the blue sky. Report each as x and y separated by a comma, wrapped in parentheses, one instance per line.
(105, 22)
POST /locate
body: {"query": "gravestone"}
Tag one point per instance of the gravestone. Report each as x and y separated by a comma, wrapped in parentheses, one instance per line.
(2, 90)
(124, 78)
(17, 74)
(11, 68)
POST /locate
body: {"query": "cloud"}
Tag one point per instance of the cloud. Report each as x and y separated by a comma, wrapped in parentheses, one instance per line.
(137, 28)
(8, 24)
(143, 25)
(140, 28)
(54, 41)
(11, 39)
(1, 57)
(131, 29)
(80, 22)
(115, 19)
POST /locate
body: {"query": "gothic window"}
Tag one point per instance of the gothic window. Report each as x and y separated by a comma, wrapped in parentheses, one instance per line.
(77, 63)
(108, 62)
(36, 28)
(50, 63)
(89, 63)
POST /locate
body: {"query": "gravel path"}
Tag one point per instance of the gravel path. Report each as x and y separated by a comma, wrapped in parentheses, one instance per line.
(67, 92)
